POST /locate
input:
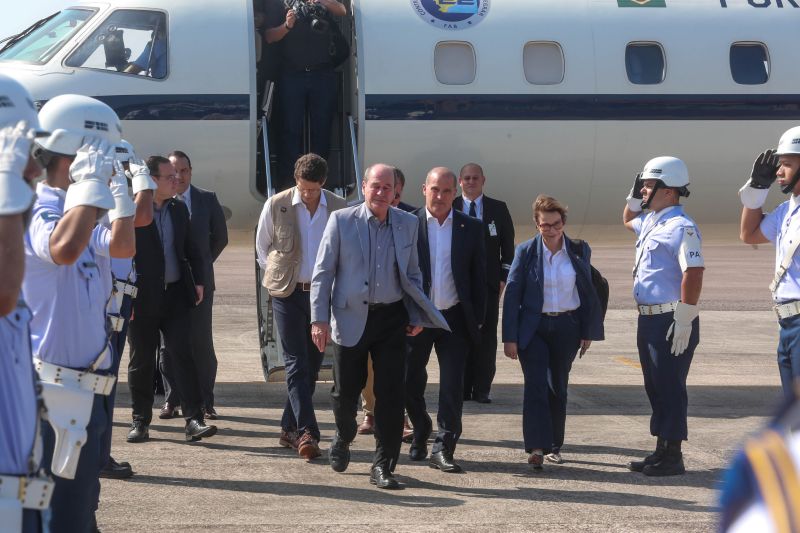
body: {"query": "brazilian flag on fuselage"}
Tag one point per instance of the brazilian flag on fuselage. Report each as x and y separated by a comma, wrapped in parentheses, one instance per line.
(642, 3)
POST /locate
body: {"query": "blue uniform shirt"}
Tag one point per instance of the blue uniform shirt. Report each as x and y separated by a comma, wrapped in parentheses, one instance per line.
(18, 403)
(68, 301)
(668, 243)
(782, 227)
(158, 62)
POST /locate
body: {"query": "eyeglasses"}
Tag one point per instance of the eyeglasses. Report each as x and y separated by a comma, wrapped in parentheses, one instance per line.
(171, 177)
(547, 227)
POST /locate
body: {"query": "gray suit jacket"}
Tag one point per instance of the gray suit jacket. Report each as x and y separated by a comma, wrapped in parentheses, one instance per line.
(340, 286)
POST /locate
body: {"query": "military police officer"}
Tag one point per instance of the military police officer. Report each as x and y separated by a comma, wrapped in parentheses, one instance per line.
(667, 279)
(782, 228)
(67, 293)
(121, 275)
(24, 494)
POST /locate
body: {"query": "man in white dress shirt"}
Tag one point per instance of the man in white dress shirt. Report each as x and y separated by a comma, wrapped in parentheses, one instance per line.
(289, 233)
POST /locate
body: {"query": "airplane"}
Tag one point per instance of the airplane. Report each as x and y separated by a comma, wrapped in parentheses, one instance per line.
(549, 96)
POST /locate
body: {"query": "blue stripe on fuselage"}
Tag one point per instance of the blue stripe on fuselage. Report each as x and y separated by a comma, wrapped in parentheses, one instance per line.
(582, 107)
(179, 106)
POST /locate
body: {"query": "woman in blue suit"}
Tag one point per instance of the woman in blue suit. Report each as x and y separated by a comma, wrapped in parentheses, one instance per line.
(551, 311)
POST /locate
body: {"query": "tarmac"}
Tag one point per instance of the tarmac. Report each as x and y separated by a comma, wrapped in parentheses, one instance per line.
(242, 480)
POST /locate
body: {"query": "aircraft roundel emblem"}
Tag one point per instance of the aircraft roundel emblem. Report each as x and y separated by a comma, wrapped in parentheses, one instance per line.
(451, 14)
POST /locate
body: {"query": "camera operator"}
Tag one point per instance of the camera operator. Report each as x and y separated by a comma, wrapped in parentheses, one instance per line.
(307, 80)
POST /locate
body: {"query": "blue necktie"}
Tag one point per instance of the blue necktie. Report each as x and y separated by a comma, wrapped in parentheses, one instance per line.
(472, 211)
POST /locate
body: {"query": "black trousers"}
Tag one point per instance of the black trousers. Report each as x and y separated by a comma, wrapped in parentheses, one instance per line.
(451, 351)
(482, 360)
(144, 332)
(203, 354)
(384, 338)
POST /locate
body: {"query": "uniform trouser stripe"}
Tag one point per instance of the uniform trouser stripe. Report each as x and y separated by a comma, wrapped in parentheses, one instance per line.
(787, 473)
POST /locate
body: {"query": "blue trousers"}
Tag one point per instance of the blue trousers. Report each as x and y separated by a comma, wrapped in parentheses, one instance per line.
(299, 92)
(546, 363)
(789, 352)
(75, 500)
(302, 360)
(34, 521)
(665, 375)
(117, 347)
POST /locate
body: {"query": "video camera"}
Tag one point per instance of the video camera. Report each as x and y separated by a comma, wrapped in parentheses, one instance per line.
(306, 11)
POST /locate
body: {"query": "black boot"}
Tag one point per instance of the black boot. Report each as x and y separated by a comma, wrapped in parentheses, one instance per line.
(653, 458)
(671, 464)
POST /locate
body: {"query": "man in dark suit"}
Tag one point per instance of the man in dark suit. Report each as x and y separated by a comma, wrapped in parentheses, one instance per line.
(170, 281)
(453, 264)
(499, 232)
(210, 233)
(399, 185)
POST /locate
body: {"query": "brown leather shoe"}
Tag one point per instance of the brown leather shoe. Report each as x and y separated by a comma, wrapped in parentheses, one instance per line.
(367, 427)
(308, 447)
(169, 411)
(288, 439)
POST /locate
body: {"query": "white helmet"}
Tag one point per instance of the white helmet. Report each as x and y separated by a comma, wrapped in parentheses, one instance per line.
(16, 104)
(789, 144)
(671, 171)
(72, 118)
(124, 151)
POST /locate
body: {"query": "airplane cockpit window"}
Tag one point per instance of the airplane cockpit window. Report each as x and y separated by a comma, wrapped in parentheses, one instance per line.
(543, 63)
(749, 63)
(645, 63)
(130, 41)
(39, 43)
(454, 63)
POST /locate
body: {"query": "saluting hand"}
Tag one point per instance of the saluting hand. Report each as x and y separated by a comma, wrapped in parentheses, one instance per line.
(510, 349)
(765, 170)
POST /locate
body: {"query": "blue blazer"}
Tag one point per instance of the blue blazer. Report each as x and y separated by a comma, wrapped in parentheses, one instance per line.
(522, 307)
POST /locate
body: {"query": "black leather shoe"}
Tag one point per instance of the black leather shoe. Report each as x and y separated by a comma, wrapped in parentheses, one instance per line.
(139, 432)
(115, 470)
(210, 413)
(169, 411)
(418, 451)
(382, 478)
(671, 464)
(120, 463)
(339, 454)
(196, 430)
(653, 458)
(482, 398)
(443, 460)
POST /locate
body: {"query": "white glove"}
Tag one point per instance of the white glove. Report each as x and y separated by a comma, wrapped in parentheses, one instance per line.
(16, 195)
(634, 204)
(123, 204)
(140, 177)
(89, 173)
(751, 197)
(681, 328)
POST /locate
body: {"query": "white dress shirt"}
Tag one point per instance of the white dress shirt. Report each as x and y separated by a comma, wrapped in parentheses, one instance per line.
(560, 290)
(478, 205)
(187, 199)
(310, 229)
(440, 240)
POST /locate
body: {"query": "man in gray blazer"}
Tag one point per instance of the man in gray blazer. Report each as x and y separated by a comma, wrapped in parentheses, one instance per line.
(366, 295)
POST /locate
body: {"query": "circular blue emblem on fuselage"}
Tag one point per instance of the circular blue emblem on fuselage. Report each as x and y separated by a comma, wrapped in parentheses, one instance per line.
(451, 14)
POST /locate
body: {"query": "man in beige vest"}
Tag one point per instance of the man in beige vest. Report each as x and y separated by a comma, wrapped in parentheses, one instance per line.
(289, 233)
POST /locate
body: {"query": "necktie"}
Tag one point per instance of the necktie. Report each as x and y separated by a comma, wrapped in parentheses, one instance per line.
(472, 211)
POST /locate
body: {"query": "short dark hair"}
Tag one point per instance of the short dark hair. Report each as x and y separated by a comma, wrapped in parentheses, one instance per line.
(399, 177)
(154, 162)
(178, 154)
(311, 167)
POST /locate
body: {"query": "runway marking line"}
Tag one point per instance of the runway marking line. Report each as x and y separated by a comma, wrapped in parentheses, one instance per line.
(627, 361)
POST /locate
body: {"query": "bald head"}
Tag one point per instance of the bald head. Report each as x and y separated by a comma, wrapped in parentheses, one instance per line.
(471, 180)
(441, 172)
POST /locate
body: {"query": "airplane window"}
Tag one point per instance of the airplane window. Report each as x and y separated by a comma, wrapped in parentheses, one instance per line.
(128, 41)
(40, 42)
(645, 63)
(454, 63)
(749, 63)
(543, 63)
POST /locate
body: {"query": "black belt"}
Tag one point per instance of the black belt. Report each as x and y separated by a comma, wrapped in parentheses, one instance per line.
(374, 307)
(305, 287)
(558, 313)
